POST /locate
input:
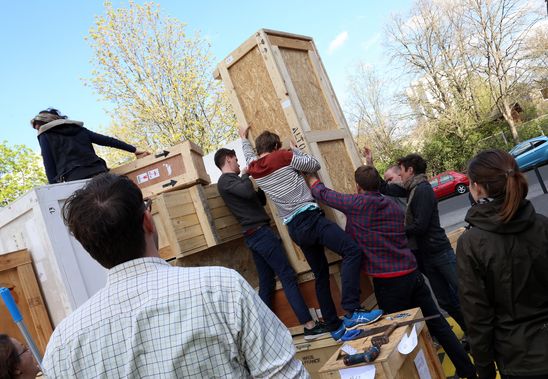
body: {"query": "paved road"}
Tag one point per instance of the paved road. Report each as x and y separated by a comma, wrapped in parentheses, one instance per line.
(453, 210)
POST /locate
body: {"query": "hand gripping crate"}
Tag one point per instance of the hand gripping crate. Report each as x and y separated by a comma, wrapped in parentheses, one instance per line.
(276, 81)
(176, 167)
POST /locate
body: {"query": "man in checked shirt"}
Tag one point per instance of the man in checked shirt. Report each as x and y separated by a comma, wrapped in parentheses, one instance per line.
(376, 223)
(152, 320)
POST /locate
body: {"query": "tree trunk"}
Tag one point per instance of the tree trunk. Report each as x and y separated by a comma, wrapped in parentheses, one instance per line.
(507, 114)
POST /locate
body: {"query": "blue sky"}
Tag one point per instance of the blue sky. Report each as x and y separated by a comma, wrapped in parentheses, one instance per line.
(45, 56)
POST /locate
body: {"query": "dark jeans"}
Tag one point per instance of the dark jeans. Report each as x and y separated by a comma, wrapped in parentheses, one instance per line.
(312, 231)
(270, 260)
(410, 291)
(441, 271)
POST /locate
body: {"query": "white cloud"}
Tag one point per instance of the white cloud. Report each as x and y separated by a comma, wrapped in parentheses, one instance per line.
(370, 42)
(338, 42)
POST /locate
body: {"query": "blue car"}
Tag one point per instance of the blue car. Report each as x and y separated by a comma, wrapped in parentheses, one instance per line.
(530, 153)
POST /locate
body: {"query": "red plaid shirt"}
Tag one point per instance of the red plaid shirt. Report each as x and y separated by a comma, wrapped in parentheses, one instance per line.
(376, 223)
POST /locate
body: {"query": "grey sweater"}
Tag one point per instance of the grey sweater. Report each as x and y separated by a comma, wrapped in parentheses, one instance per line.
(246, 204)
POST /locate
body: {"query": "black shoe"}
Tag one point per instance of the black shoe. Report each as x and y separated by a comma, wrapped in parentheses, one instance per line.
(465, 344)
(320, 330)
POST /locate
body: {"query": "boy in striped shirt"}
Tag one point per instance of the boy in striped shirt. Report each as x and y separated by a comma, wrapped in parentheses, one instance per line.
(278, 172)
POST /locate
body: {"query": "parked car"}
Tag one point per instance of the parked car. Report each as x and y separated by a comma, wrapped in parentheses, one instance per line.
(530, 153)
(449, 183)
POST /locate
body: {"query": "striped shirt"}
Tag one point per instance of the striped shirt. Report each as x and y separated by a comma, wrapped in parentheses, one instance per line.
(153, 320)
(376, 224)
(279, 176)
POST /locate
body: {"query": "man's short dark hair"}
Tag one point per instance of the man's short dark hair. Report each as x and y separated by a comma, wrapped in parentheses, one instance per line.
(367, 178)
(413, 160)
(106, 217)
(267, 142)
(220, 156)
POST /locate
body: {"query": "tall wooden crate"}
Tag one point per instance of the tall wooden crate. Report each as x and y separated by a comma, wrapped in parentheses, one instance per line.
(276, 81)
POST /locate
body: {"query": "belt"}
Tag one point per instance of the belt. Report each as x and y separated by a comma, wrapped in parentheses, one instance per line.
(252, 231)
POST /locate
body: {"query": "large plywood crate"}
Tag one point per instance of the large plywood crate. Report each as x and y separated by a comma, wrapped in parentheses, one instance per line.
(276, 81)
(179, 166)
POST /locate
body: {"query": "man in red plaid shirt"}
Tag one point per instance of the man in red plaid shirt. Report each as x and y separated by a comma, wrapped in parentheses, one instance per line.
(377, 224)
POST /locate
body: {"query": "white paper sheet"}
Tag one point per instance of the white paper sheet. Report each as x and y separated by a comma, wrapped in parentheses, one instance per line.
(408, 342)
(362, 372)
(422, 366)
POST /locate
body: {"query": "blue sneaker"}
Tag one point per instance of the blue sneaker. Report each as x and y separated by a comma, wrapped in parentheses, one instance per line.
(338, 333)
(362, 317)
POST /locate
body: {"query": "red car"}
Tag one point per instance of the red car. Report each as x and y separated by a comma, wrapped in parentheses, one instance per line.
(449, 183)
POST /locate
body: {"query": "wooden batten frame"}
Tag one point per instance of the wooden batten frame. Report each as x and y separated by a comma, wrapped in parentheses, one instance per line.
(17, 274)
(295, 99)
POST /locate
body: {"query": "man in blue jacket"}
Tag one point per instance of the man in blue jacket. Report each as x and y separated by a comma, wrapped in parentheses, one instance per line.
(67, 149)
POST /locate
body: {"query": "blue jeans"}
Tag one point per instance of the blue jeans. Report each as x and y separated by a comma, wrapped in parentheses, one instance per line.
(312, 231)
(441, 271)
(270, 260)
(410, 291)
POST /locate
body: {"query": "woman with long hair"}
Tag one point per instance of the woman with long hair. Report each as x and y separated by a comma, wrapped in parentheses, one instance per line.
(502, 263)
(16, 361)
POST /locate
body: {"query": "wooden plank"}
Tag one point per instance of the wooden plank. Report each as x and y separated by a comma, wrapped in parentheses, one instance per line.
(290, 43)
(325, 135)
(12, 260)
(185, 221)
(20, 279)
(181, 211)
(271, 32)
(33, 297)
(186, 233)
(216, 202)
(220, 212)
(202, 210)
(167, 226)
(191, 244)
(177, 198)
(223, 222)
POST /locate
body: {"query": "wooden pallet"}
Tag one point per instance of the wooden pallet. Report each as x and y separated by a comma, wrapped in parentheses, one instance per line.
(276, 81)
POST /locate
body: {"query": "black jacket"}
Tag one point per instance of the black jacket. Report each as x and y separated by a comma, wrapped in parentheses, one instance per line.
(425, 228)
(68, 153)
(503, 284)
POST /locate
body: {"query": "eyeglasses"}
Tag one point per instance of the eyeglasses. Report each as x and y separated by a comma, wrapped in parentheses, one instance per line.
(25, 349)
(148, 205)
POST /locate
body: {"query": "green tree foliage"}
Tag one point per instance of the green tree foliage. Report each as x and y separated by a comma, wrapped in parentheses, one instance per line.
(20, 170)
(159, 80)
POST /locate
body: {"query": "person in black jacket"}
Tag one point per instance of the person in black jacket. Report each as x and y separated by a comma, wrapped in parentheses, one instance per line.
(67, 149)
(427, 239)
(247, 205)
(503, 272)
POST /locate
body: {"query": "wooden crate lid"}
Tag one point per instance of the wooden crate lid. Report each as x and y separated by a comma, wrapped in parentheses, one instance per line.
(389, 353)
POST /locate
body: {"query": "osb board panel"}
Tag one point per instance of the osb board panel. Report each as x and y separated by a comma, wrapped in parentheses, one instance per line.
(233, 254)
(257, 96)
(339, 165)
(309, 91)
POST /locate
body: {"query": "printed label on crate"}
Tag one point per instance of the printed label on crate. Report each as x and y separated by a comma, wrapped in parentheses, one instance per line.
(153, 174)
(349, 349)
(422, 366)
(286, 103)
(362, 372)
(168, 168)
(229, 59)
(142, 178)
